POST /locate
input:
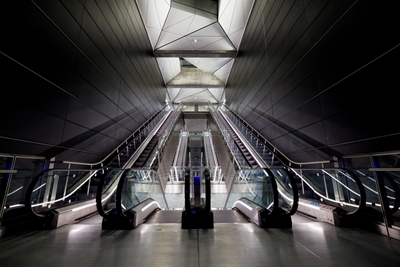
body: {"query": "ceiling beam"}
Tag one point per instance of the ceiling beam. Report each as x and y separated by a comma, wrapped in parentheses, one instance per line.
(202, 53)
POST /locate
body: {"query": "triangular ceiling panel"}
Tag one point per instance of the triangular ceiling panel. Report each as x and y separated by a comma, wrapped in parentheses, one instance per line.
(222, 4)
(223, 44)
(200, 42)
(195, 95)
(166, 38)
(177, 15)
(209, 65)
(170, 67)
(182, 43)
(199, 22)
(236, 38)
(217, 93)
(181, 27)
(237, 21)
(173, 92)
(224, 71)
(213, 30)
(226, 18)
(178, 27)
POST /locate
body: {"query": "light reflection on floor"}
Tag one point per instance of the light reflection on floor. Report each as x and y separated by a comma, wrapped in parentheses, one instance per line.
(307, 243)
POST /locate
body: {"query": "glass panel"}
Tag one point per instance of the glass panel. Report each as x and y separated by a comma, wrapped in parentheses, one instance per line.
(256, 185)
(392, 186)
(109, 189)
(335, 187)
(285, 189)
(27, 169)
(57, 188)
(140, 185)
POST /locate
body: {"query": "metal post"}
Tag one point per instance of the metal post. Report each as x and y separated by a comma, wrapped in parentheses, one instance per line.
(5, 184)
(380, 185)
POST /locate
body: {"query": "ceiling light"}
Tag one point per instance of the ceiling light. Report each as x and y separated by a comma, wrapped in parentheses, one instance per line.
(195, 40)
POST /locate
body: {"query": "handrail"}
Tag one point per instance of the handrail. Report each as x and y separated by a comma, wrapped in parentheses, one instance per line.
(215, 117)
(122, 143)
(275, 149)
(21, 156)
(8, 171)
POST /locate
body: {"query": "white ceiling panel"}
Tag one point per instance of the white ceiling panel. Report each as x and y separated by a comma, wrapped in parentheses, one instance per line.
(236, 38)
(176, 16)
(209, 65)
(173, 92)
(222, 4)
(237, 21)
(143, 6)
(199, 22)
(166, 38)
(163, 8)
(153, 35)
(170, 67)
(200, 42)
(223, 44)
(181, 27)
(181, 44)
(213, 30)
(217, 93)
(226, 18)
(152, 19)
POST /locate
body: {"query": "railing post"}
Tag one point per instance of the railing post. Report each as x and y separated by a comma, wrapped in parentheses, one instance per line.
(380, 185)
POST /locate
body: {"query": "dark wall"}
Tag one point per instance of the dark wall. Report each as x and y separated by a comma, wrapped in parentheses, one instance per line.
(77, 77)
(319, 78)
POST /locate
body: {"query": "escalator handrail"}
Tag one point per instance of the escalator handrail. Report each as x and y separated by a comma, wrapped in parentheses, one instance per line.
(363, 195)
(295, 192)
(273, 149)
(29, 191)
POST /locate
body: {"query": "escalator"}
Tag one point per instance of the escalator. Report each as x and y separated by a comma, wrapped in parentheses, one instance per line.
(58, 197)
(329, 195)
(152, 145)
(251, 136)
(253, 198)
(244, 150)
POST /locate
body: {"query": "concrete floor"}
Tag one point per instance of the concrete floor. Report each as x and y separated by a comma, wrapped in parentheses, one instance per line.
(307, 243)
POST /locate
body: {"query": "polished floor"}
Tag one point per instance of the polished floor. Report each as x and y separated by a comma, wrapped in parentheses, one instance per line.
(307, 243)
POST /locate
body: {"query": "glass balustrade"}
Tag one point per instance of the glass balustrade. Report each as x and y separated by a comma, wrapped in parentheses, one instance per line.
(139, 185)
(257, 185)
(57, 188)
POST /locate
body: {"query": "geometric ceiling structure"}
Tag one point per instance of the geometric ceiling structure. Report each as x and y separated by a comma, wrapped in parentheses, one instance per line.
(205, 33)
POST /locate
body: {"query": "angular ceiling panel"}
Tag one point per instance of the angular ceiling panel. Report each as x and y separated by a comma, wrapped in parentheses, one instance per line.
(223, 45)
(180, 44)
(237, 21)
(226, 18)
(183, 26)
(173, 92)
(175, 16)
(200, 42)
(199, 22)
(166, 38)
(217, 93)
(209, 65)
(222, 4)
(213, 30)
(236, 38)
(170, 67)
